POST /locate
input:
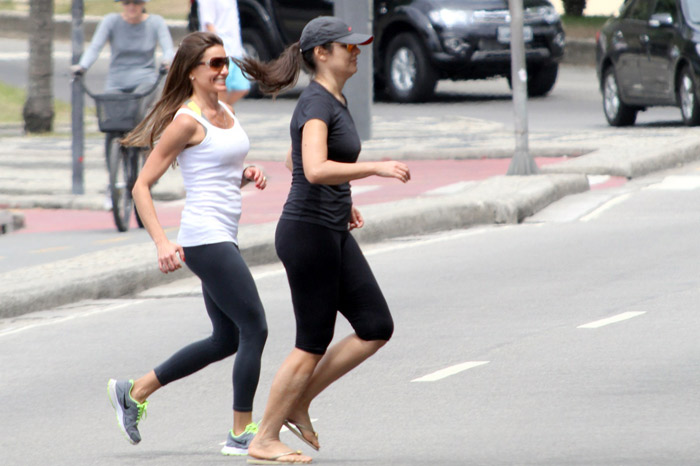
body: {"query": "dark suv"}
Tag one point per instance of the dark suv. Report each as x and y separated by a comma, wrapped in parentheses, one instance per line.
(650, 55)
(418, 42)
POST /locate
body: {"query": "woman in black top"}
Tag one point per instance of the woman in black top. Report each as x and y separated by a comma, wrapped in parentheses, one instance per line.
(326, 270)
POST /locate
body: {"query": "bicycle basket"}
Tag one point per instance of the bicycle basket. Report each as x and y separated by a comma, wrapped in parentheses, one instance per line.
(117, 112)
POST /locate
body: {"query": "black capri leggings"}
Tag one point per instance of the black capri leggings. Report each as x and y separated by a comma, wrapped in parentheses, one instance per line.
(237, 318)
(327, 273)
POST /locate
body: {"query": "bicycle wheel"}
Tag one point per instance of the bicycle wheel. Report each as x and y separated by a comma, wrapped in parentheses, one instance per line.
(141, 159)
(120, 183)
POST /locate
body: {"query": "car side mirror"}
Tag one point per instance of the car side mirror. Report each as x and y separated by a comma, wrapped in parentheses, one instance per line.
(658, 20)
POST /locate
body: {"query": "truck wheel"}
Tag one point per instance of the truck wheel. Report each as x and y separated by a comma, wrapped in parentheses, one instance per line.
(410, 76)
(542, 79)
(616, 111)
(254, 47)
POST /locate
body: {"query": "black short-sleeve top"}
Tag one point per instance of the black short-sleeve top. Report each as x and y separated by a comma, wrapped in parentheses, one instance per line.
(327, 205)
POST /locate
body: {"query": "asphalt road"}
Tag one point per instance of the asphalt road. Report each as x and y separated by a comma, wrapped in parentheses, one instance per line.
(576, 89)
(570, 339)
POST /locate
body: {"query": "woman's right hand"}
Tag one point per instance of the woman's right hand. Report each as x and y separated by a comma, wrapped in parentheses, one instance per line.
(394, 169)
(169, 256)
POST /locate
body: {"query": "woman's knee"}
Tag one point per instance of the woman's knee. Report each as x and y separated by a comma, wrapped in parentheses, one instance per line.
(223, 347)
(380, 330)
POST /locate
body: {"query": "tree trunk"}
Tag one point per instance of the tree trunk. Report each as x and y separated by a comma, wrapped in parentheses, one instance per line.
(574, 7)
(38, 109)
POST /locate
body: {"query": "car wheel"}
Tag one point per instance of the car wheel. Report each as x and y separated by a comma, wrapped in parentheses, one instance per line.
(541, 80)
(409, 74)
(687, 98)
(256, 48)
(616, 111)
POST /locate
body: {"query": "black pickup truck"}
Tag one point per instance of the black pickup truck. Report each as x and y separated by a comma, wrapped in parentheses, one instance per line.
(418, 42)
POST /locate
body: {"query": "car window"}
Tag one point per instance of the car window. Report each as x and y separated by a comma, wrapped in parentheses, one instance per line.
(637, 9)
(667, 6)
(692, 11)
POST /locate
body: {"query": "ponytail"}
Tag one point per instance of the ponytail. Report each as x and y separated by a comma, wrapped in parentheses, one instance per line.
(281, 74)
(275, 76)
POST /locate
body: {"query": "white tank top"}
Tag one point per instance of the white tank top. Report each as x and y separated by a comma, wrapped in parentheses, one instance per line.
(212, 172)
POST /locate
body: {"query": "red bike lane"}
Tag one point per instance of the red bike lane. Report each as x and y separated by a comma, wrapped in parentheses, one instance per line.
(265, 206)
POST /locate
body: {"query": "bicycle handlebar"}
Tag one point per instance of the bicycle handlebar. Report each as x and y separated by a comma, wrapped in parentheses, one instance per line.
(78, 76)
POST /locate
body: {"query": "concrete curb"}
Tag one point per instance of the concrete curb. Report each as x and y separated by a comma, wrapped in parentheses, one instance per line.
(126, 270)
(631, 163)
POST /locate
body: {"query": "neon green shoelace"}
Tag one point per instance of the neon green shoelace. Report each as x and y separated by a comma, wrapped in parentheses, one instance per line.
(142, 410)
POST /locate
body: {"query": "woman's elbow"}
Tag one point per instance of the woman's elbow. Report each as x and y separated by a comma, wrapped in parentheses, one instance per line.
(139, 187)
(314, 176)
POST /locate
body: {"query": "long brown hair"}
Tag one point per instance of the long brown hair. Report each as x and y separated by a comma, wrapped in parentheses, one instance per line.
(278, 75)
(178, 88)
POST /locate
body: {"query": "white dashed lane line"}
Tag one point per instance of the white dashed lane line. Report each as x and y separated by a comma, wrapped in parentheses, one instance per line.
(452, 370)
(612, 320)
(99, 309)
(45, 250)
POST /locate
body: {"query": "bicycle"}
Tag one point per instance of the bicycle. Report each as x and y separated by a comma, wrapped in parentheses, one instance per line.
(117, 114)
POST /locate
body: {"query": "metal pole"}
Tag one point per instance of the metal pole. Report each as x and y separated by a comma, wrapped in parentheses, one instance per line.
(360, 88)
(522, 163)
(77, 100)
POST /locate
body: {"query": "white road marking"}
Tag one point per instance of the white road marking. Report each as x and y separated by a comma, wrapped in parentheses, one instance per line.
(677, 183)
(450, 188)
(443, 373)
(612, 320)
(381, 249)
(117, 239)
(597, 179)
(54, 249)
(94, 311)
(607, 206)
(364, 189)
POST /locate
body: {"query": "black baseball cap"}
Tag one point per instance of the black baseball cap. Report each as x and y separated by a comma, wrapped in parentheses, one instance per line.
(326, 29)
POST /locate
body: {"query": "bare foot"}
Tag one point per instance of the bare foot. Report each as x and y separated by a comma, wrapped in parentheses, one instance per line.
(302, 421)
(277, 451)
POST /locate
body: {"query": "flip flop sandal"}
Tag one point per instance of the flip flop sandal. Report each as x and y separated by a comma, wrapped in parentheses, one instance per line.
(275, 459)
(296, 430)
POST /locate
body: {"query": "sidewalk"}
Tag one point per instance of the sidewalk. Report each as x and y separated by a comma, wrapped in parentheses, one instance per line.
(36, 172)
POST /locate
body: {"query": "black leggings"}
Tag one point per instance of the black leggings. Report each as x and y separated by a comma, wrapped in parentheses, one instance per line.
(237, 318)
(327, 273)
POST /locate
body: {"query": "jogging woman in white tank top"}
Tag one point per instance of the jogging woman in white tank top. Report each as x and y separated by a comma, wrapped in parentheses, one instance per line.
(193, 128)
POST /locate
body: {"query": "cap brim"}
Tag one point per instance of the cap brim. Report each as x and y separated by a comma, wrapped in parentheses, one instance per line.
(357, 39)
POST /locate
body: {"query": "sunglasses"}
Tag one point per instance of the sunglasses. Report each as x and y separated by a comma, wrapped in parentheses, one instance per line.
(216, 63)
(349, 47)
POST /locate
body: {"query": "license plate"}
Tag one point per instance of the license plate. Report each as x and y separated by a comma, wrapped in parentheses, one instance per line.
(504, 34)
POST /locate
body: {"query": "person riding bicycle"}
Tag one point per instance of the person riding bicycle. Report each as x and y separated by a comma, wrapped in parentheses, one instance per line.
(133, 36)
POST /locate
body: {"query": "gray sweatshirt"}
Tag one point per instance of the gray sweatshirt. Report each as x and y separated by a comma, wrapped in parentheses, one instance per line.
(133, 49)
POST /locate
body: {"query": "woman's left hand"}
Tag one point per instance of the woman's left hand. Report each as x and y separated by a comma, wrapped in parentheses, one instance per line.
(356, 220)
(255, 175)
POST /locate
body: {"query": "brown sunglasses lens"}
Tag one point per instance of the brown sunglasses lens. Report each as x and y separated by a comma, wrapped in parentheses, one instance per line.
(217, 63)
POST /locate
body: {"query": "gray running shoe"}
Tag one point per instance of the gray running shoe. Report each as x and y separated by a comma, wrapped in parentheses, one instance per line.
(238, 445)
(129, 411)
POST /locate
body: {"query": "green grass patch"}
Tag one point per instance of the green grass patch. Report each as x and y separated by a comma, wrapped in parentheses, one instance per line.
(582, 27)
(13, 99)
(168, 9)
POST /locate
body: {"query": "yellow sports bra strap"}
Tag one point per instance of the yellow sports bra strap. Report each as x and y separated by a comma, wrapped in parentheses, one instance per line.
(194, 107)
